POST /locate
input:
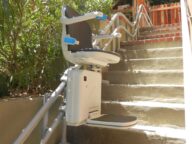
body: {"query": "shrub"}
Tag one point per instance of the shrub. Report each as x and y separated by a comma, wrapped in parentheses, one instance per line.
(30, 33)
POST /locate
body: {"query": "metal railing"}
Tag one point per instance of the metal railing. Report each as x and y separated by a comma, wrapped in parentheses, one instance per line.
(187, 68)
(130, 28)
(43, 113)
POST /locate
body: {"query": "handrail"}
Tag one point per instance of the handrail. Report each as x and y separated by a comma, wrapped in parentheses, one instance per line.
(135, 25)
(40, 114)
(187, 62)
(132, 24)
(117, 29)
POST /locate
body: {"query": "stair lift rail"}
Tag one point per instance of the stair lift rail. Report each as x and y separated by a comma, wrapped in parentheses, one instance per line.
(115, 26)
(187, 59)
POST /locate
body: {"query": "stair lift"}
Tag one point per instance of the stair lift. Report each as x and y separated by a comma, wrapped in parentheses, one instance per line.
(83, 90)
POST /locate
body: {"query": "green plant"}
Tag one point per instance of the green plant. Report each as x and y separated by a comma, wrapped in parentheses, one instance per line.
(104, 6)
(29, 41)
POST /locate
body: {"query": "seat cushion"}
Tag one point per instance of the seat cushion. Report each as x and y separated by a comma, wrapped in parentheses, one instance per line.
(93, 57)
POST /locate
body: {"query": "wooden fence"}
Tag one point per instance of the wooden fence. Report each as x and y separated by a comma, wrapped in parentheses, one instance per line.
(166, 14)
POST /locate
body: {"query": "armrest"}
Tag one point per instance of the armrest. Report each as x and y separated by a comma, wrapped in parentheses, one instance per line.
(88, 16)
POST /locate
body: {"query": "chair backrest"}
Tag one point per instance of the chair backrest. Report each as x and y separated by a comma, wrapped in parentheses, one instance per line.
(81, 31)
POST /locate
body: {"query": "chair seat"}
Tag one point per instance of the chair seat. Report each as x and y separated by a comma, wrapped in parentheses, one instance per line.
(93, 56)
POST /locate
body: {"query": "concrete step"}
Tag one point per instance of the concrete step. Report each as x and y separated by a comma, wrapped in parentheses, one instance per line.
(131, 92)
(159, 32)
(161, 29)
(145, 77)
(162, 26)
(137, 134)
(165, 41)
(174, 63)
(163, 134)
(152, 43)
(153, 53)
(151, 113)
(90, 134)
(153, 98)
(158, 35)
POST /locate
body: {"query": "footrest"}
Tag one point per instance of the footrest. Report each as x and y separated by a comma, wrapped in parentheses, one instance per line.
(114, 120)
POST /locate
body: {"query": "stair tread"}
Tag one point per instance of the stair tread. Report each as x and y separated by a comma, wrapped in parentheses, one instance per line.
(153, 40)
(145, 71)
(150, 52)
(162, 27)
(131, 92)
(144, 77)
(149, 104)
(149, 59)
(149, 85)
(154, 49)
(170, 99)
(161, 35)
(161, 44)
(168, 131)
(161, 31)
(150, 32)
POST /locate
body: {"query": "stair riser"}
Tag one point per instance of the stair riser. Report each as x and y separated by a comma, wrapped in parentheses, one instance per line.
(98, 135)
(154, 64)
(159, 32)
(117, 92)
(160, 44)
(153, 53)
(154, 116)
(154, 35)
(144, 78)
(161, 29)
(163, 98)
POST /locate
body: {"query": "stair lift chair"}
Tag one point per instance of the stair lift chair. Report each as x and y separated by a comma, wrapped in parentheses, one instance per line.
(83, 90)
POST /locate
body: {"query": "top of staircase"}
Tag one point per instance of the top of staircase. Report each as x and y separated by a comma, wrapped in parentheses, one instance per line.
(170, 33)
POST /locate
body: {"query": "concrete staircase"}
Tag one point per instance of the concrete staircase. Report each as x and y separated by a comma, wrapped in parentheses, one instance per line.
(147, 83)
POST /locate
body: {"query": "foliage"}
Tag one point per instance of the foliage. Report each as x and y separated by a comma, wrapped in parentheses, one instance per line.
(91, 5)
(30, 33)
(29, 41)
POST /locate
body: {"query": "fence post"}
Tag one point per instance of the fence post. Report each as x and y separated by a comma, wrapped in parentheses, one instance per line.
(46, 117)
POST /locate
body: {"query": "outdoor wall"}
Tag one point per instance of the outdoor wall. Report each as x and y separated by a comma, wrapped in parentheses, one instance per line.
(16, 113)
(190, 9)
